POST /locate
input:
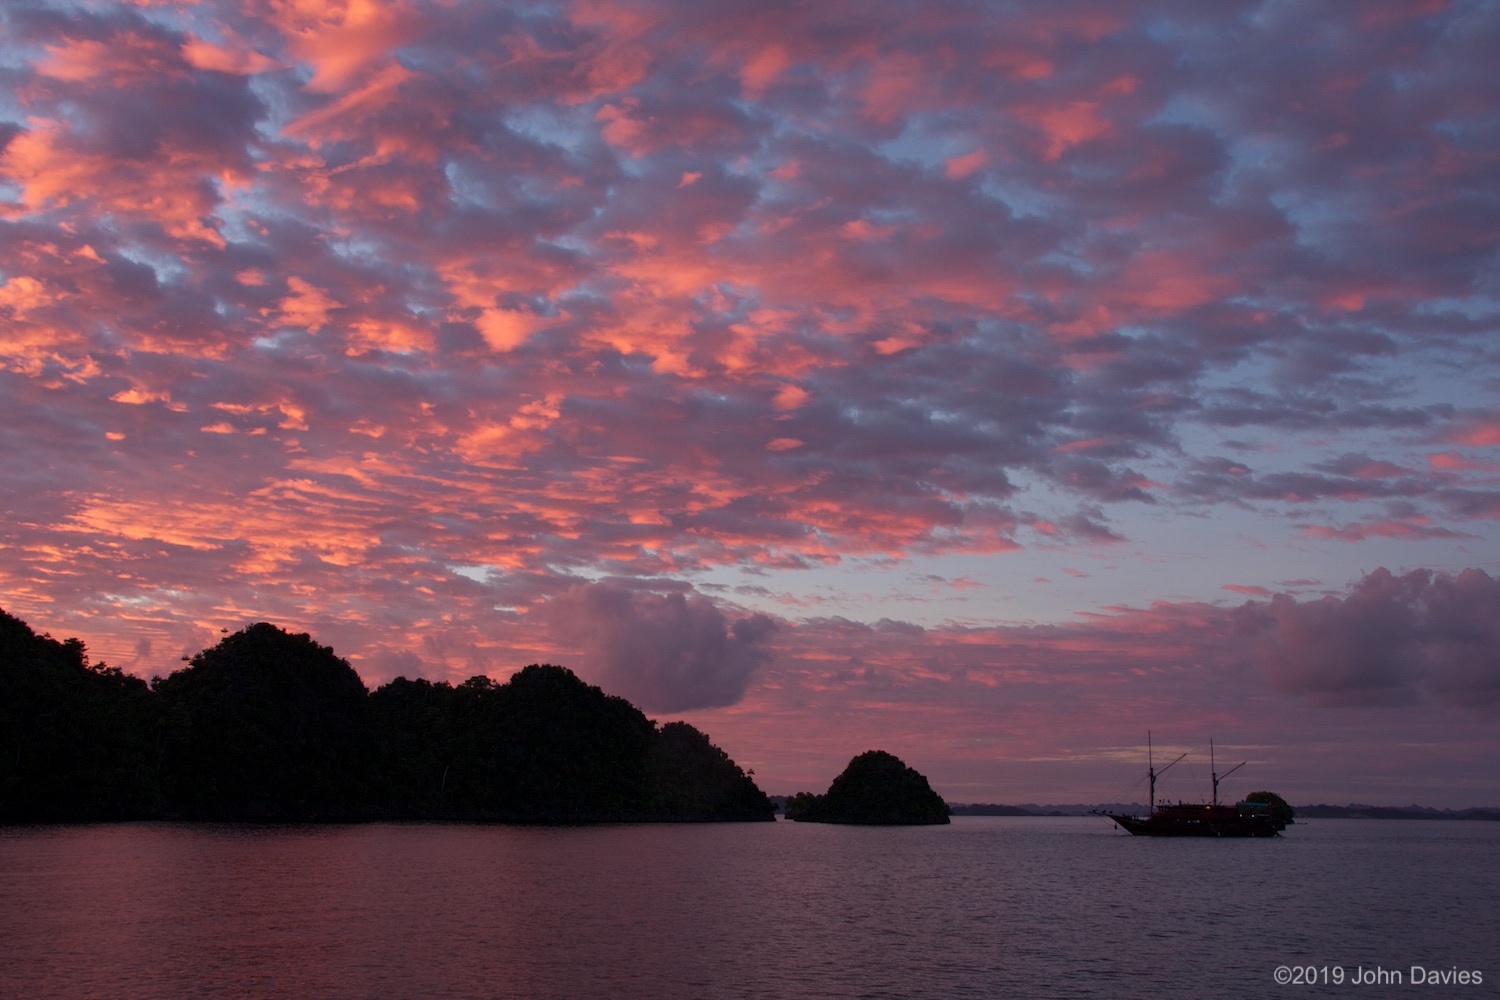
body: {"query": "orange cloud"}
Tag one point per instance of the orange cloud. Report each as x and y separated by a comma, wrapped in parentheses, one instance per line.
(1166, 281)
(962, 166)
(238, 59)
(341, 38)
(790, 397)
(348, 116)
(51, 174)
(306, 306)
(762, 68)
(23, 294)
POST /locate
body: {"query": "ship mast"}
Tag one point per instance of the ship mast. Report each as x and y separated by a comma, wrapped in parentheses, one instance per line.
(1217, 777)
(1152, 772)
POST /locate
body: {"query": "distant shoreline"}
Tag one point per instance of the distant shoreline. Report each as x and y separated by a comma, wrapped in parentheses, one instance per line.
(1320, 811)
(1353, 811)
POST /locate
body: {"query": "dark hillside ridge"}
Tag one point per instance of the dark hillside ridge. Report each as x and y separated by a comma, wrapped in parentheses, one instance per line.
(268, 726)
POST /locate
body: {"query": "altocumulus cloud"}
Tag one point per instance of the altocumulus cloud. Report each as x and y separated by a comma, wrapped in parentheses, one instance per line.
(665, 652)
(392, 322)
(1390, 640)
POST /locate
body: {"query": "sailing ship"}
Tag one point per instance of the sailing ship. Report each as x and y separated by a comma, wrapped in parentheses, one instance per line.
(1243, 819)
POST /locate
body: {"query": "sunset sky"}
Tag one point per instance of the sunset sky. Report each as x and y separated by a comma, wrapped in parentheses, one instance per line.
(988, 383)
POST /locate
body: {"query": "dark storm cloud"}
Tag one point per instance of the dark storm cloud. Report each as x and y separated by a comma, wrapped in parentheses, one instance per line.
(1418, 641)
(1228, 480)
(666, 652)
(1390, 640)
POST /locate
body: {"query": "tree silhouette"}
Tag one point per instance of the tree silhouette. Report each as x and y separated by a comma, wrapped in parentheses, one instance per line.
(1276, 806)
(414, 745)
(547, 747)
(271, 726)
(75, 738)
(266, 725)
(694, 780)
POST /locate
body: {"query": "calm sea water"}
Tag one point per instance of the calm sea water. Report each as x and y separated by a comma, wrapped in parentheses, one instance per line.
(986, 907)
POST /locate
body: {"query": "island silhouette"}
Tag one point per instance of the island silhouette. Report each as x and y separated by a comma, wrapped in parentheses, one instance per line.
(876, 789)
(270, 726)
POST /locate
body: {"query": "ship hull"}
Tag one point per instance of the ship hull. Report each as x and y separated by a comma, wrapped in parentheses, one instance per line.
(1182, 819)
(1163, 824)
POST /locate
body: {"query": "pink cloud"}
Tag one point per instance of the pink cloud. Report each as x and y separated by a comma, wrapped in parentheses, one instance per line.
(966, 164)
(1451, 460)
(1477, 433)
(1409, 529)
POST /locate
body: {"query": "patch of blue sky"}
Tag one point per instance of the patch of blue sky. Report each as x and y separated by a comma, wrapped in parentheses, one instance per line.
(1040, 583)
(1183, 35)
(928, 140)
(18, 57)
(1194, 553)
(12, 111)
(173, 17)
(1072, 256)
(479, 573)
(1438, 375)
(166, 267)
(1477, 308)
(892, 216)
(1322, 218)
(1171, 551)
(466, 187)
(356, 250)
(280, 340)
(1194, 109)
(434, 310)
(272, 93)
(1024, 201)
(149, 597)
(237, 209)
(1256, 158)
(1476, 132)
(573, 128)
(1259, 373)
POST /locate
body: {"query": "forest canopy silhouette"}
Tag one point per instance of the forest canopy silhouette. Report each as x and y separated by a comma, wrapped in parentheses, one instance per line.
(271, 726)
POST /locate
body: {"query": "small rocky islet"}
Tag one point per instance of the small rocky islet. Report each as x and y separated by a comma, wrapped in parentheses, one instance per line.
(876, 789)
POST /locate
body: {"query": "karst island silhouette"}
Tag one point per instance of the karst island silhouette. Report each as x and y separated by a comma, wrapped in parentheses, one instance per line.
(270, 726)
(876, 789)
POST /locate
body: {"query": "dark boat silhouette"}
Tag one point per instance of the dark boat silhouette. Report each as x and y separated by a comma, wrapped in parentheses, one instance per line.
(1243, 819)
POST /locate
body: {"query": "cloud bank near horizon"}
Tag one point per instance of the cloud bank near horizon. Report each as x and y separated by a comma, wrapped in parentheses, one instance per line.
(1414, 654)
(665, 652)
(413, 324)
